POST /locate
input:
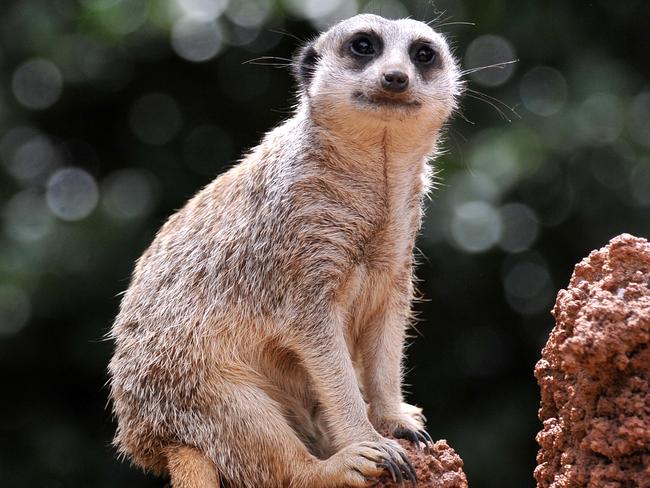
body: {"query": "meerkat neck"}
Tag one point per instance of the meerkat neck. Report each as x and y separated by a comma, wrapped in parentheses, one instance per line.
(376, 149)
(392, 142)
(385, 159)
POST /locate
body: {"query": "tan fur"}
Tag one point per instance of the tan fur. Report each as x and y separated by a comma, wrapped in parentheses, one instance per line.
(261, 339)
(189, 468)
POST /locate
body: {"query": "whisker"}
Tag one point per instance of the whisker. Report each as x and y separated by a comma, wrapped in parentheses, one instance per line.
(462, 115)
(265, 58)
(440, 14)
(458, 133)
(283, 111)
(454, 135)
(494, 99)
(473, 24)
(288, 34)
(499, 111)
(273, 65)
(269, 61)
(500, 65)
(491, 104)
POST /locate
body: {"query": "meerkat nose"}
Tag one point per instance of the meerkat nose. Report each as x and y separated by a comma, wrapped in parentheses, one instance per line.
(395, 81)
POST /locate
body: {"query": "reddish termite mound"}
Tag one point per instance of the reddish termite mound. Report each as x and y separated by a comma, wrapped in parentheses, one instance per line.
(594, 374)
(437, 467)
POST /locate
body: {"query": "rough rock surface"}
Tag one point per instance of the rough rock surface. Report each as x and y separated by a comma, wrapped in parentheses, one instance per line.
(594, 374)
(440, 467)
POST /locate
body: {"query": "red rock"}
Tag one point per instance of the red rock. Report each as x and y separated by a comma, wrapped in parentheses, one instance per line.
(594, 374)
(440, 467)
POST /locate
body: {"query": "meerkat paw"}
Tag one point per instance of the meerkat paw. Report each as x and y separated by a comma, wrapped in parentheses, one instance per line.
(363, 463)
(413, 434)
(414, 412)
(407, 424)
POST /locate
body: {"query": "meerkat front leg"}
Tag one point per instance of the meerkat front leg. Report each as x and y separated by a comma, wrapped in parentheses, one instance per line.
(328, 363)
(382, 350)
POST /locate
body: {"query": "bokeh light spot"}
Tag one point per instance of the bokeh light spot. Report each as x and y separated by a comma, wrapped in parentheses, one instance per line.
(155, 118)
(520, 227)
(322, 13)
(640, 183)
(126, 16)
(487, 50)
(543, 91)
(33, 160)
(26, 217)
(37, 83)
(611, 164)
(528, 287)
(99, 4)
(390, 9)
(313, 9)
(639, 118)
(11, 141)
(475, 226)
(15, 309)
(196, 40)
(249, 13)
(465, 187)
(72, 194)
(204, 10)
(237, 35)
(128, 194)
(601, 118)
(496, 157)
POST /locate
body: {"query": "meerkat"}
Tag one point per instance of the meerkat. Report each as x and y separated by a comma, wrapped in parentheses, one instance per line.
(260, 342)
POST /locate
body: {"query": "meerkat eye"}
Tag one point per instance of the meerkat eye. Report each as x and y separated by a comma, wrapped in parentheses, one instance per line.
(362, 46)
(424, 55)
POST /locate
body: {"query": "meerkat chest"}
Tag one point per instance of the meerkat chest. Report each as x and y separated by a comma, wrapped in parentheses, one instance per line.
(394, 238)
(385, 273)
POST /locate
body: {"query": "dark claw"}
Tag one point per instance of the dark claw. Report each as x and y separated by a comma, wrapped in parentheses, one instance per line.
(398, 473)
(428, 441)
(428, 436)
(409, 435)
(410, 471)
(390, 466)
(424, 436)
(413, 437)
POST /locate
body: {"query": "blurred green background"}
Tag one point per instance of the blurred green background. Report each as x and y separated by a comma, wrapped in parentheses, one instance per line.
(114, 112)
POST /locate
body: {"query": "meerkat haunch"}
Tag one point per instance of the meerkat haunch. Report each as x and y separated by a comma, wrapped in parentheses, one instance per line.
(260, 342)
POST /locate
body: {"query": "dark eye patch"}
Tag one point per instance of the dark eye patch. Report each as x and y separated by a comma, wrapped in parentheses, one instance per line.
(362, 48)
(424, 55)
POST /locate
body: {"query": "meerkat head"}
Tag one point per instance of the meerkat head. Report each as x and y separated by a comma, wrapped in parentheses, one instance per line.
(371, 68)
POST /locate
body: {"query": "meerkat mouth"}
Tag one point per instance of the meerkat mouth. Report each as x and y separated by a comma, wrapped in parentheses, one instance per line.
(383, 101)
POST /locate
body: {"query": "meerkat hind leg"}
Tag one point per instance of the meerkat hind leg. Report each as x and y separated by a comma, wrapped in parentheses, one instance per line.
(256, 447)
(190, 468)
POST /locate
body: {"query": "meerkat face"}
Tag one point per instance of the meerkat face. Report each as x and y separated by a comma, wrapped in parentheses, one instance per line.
(382, 69)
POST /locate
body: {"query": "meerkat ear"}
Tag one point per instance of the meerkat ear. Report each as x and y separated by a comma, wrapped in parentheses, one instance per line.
(304, 64)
